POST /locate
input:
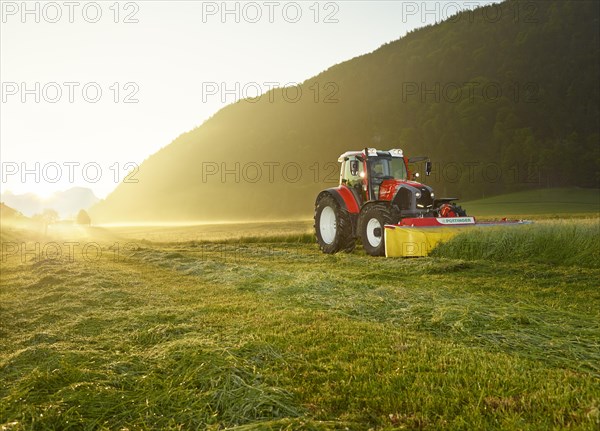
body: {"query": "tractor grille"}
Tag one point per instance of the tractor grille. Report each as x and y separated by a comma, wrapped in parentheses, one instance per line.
(404, 199)
(425, 201)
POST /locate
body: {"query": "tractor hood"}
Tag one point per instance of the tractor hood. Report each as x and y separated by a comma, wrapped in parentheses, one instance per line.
(389, 188)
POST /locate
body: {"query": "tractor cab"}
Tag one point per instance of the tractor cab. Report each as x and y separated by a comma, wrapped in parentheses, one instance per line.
(373, 175)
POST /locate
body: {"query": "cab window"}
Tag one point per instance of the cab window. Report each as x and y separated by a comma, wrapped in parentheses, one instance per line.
(398, 168)
(347, 177)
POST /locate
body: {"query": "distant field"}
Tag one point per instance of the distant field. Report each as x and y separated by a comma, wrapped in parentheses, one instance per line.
(269, 333)
(539, 204)
(213, 231)
(546, 203)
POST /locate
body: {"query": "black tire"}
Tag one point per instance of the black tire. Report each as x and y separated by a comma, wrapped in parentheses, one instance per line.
(342, 238)
(371, 224)
(460, 211)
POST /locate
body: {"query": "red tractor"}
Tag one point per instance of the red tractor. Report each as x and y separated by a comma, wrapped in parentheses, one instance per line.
(375, 190)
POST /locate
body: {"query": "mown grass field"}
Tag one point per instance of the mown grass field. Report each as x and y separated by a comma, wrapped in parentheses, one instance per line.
(267, 333)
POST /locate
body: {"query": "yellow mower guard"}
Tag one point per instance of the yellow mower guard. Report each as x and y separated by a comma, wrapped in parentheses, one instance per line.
(408, 241)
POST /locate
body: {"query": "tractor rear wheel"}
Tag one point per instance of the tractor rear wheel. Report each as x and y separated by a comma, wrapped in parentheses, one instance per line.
(371, 224)
(333, 226)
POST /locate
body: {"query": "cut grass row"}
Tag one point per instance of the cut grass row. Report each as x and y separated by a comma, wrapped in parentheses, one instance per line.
(551, 242)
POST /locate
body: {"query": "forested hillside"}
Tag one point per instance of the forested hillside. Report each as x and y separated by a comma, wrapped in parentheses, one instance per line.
(502, 99)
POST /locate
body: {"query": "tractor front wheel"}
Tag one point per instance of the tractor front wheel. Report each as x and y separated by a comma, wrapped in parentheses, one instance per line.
(371, 226)
(333, 226)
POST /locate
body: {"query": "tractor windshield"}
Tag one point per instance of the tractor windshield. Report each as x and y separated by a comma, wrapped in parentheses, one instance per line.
(388, 168)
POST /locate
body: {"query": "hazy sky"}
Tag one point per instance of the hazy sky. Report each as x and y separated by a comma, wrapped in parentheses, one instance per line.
(177, 63)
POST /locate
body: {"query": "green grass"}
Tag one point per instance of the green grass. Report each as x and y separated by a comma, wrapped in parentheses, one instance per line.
(562, 242)
(267, 334)
(559, 202)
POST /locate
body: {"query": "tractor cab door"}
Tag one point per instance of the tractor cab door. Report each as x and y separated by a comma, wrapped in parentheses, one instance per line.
(353, 175)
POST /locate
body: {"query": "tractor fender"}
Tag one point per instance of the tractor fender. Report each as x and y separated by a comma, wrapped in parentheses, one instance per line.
(346, 201)
(343, 197)
(369, 204)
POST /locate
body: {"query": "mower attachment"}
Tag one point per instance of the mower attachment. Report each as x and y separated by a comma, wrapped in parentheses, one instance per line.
(416, 237)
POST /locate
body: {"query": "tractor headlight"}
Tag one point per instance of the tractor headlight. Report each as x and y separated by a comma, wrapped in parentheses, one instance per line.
(418, 195)
(432, 195)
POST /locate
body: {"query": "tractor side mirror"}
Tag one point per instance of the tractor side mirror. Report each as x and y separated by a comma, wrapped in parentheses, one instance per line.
(354, 168)
(427, 167)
